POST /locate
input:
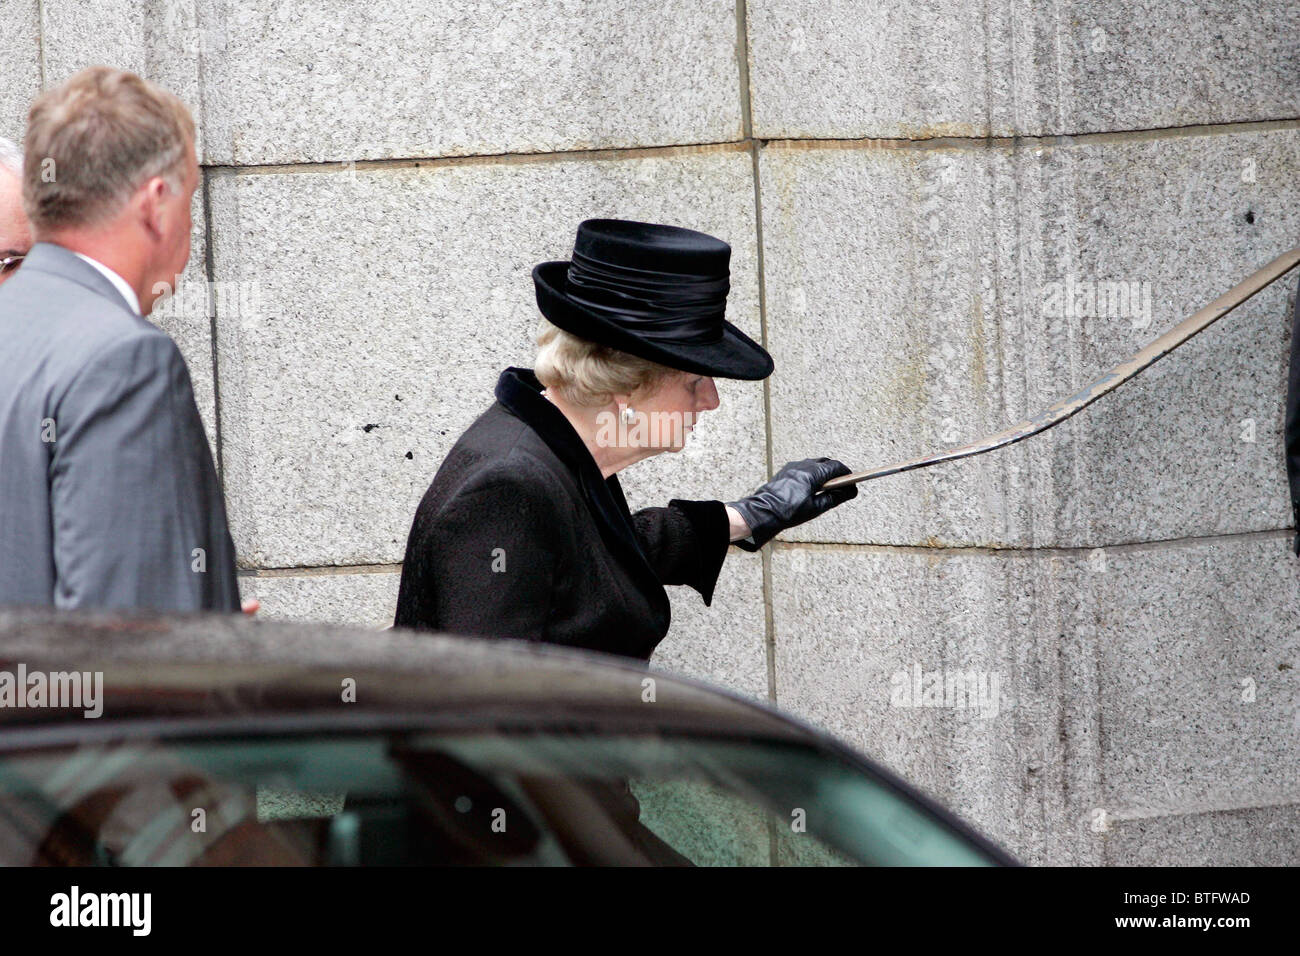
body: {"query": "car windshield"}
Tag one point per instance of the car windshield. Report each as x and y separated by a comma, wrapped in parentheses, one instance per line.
(460, 798)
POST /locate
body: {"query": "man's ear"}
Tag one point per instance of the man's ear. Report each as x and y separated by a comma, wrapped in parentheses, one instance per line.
(153, 206)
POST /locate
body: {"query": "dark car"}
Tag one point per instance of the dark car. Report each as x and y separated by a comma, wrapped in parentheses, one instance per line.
(220, 740)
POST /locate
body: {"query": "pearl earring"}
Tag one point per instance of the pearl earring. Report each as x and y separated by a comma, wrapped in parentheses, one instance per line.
(628, 414)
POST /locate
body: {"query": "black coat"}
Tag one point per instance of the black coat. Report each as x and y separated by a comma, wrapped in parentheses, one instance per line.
(1291, 433)
(520, 536)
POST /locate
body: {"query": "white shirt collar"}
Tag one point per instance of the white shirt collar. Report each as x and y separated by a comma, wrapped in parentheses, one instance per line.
(118, 282)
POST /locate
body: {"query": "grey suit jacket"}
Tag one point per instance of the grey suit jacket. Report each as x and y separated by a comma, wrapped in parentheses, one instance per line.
(108, 494)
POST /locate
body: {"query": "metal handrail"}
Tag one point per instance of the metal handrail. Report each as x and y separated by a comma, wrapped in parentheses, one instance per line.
(1067, 407)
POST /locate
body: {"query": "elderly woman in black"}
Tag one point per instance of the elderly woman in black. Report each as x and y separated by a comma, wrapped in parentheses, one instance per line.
(525, 532)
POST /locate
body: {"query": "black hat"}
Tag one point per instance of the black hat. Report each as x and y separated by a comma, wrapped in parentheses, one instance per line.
(658, 292)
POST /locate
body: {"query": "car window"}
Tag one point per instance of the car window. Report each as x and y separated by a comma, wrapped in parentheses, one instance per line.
(501, 798)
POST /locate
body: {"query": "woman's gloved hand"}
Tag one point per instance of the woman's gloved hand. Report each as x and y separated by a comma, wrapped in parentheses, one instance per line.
(791, 498)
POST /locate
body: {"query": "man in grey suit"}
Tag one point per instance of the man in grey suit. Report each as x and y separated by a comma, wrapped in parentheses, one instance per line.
(108, 495)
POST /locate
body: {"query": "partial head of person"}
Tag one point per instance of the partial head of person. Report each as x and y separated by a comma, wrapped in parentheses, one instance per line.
(15, 234)
(110, 172)
(635, 332)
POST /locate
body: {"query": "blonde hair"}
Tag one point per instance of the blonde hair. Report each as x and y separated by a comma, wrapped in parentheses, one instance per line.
(587, 373)
(94, 140)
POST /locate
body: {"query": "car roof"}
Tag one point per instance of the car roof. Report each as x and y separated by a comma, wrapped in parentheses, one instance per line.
(228, 665)
(227, 674)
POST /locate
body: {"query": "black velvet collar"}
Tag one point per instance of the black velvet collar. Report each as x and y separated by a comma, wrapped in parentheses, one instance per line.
(521, 393)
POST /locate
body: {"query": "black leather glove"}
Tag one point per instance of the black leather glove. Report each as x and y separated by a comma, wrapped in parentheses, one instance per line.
(791, 498)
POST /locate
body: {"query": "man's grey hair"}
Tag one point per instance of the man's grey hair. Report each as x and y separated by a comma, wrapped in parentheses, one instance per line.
(11, 157)
(103, 134)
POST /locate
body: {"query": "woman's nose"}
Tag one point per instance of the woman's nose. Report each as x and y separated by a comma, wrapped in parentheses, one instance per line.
(709, 396)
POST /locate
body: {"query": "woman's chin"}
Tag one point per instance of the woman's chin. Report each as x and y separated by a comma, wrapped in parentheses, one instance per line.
(669, 449)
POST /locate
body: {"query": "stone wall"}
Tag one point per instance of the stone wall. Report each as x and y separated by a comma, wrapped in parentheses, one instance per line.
(906, 188)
